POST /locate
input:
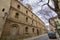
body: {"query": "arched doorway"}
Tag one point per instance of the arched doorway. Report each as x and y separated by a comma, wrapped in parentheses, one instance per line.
(11, 32)
(14, 31)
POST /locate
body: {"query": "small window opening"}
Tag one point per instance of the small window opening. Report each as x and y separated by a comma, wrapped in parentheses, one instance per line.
(26, 29)
(26, 19)
(16, 15)
(3, 9)
(18, 6)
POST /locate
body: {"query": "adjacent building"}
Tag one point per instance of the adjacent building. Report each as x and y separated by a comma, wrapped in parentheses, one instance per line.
(55, 22)
(18, 22)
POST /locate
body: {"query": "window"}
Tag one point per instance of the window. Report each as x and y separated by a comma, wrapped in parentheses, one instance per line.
(36, 23)
(32, 16)
(32, 21)
(26, 29)
(33, 29)
(3, 9)
(18, 6)
(16, 15)
(26, 19)
(26, 11)
(37, 32)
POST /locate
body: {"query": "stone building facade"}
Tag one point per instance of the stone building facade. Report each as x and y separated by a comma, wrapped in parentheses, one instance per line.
(18, 22)
(4, 11)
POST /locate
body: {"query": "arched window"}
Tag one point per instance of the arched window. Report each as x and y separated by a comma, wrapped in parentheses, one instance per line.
(18, 6)
(16, 15)
(26, 19)
(26, 29)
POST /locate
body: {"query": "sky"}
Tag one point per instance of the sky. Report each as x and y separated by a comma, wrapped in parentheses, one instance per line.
(43, 12)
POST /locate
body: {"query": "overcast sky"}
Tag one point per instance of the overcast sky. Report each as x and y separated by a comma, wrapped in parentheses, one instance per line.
(43, 12)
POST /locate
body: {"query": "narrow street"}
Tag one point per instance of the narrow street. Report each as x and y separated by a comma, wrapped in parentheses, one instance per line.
(42, 37)
(29, 19)
(52, 39)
